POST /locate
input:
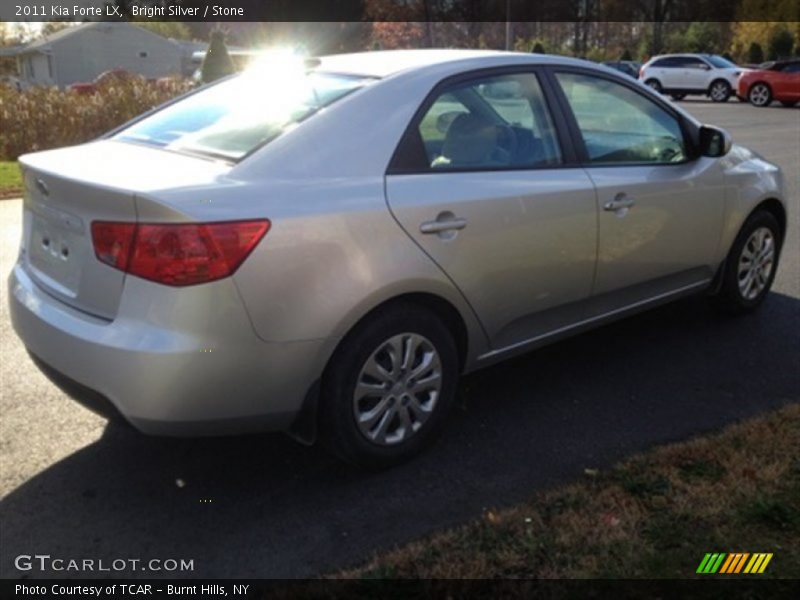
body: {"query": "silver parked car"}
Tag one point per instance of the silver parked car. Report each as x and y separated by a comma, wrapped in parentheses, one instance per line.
(324, 246)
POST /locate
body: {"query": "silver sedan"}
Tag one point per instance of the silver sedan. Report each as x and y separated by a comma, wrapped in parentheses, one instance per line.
(323, 246)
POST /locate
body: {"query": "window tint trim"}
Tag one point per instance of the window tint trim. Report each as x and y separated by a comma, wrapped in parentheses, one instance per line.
(569, 156)
(575, 132)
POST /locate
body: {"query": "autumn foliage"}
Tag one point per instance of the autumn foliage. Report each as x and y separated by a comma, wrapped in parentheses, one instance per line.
(42, 118)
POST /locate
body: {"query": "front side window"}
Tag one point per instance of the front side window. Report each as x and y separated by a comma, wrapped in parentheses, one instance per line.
(230, 119)
(720, 63)
(792, 68)
(490, 123)
(619, 125)
(696, 63)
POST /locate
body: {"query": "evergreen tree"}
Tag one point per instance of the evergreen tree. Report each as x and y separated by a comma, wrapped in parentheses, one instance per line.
(755, 55)
(626, 55)
(217, 63)
(538, 48)
(780, 44)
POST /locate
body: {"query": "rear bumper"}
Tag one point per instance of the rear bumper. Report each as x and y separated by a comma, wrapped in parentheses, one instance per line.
(182, 362)
(82, 394)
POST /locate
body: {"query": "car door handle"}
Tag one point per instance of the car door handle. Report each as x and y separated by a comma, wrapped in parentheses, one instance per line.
(438, 226)
(619, 202)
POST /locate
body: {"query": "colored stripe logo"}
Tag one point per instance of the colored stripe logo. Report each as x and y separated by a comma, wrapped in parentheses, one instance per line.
(734, 563)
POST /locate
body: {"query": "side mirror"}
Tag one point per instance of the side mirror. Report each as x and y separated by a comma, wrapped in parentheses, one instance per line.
(714, 142)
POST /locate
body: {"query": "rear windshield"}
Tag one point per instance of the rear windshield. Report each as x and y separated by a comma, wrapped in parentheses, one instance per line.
(230, 119)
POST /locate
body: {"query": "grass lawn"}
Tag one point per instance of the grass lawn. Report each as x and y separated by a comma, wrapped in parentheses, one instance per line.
(10, 178)
(654, 516)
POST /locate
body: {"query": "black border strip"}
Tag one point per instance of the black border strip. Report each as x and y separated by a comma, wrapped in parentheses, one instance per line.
(722, 587)
(410, 10)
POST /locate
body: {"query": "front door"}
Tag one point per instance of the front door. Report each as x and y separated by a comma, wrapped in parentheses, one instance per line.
(660, 212)
(696, 73)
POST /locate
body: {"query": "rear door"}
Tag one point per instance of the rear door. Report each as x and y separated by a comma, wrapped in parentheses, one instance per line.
(660, 212)
(669, 72)
(486, 187)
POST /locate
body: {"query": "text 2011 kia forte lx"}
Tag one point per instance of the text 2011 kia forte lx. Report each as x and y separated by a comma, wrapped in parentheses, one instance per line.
(324, 246)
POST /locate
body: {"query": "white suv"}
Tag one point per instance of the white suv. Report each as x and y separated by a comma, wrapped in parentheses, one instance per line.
(682, 74)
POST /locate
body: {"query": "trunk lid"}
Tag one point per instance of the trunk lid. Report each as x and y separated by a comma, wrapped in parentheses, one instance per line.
(68, 189)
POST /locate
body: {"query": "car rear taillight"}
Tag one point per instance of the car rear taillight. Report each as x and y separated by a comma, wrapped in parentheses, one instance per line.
(177, 254)
(112, 243)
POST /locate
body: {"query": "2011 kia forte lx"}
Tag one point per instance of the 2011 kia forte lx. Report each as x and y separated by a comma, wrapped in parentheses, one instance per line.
(323, 246)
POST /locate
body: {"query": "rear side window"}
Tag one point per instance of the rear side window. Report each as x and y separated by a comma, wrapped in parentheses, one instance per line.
(664, 63)
(232, 118)
(680, 62)
(498, 122)
(619, 125)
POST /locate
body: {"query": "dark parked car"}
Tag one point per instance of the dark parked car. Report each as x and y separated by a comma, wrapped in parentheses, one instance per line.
(629, 67)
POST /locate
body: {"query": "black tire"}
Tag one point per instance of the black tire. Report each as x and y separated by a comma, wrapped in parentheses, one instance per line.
(725, 90)
(654, 85)
(677, 97)
(729, 298)
(759, 94)
(339, 431)
(789, 103)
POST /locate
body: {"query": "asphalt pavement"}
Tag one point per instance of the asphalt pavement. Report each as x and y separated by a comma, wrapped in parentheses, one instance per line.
(265, 506)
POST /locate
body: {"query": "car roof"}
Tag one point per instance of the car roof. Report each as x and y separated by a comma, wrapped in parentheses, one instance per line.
(680, 54)
(785, 61)
(384, 63)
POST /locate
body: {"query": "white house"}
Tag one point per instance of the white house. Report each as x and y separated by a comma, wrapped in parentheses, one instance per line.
(81, 53)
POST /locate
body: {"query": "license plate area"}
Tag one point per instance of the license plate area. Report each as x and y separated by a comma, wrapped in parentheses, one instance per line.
(56, 249)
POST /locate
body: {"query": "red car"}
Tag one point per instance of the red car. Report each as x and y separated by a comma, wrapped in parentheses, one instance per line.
(91, 87)
(778, 80)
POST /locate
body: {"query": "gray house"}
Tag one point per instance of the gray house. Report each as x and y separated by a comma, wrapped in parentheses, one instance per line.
(81, 53)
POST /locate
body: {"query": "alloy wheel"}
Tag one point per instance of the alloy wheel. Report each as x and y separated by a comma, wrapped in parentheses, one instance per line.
(397, 389)
(759, 95)
(720, 91)
(756, 263)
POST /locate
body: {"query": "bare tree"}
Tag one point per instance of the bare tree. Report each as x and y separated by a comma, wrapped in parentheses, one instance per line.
(657, 12)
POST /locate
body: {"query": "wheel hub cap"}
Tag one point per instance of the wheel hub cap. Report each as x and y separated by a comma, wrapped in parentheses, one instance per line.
(756, 263)
(397, 389)
(759, 95)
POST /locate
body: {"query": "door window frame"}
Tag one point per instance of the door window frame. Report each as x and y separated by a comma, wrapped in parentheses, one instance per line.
(575, 132)
(563, 139)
